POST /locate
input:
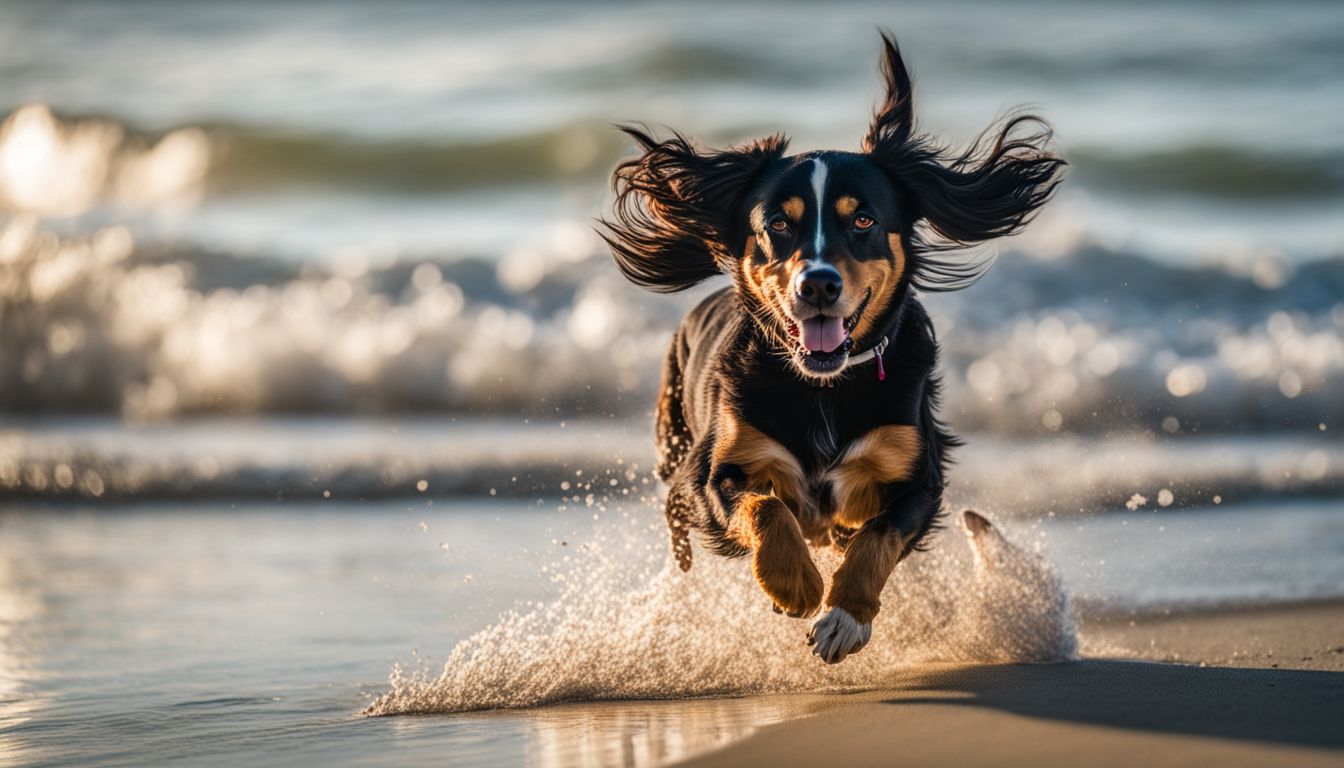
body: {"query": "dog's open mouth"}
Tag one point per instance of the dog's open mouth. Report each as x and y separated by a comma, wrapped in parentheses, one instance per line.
(824, 341)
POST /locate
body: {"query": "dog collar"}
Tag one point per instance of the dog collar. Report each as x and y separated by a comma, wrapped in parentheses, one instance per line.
(875, 353)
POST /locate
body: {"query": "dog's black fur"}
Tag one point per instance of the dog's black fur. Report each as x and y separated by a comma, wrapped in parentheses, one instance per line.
(750, 421)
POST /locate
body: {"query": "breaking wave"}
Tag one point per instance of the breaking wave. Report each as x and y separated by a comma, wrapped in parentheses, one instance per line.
(1092, 340)
(630, 625)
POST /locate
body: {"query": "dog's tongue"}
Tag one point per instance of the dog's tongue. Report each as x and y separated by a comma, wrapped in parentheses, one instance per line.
(823, 334)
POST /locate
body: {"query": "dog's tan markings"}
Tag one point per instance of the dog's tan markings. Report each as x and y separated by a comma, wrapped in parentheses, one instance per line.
(781, 562)
(846, 206)
(769, 467)
(793, 208)
(884, 455)
(765, 279)
(869, 560)
(749, 278)
(877, 278)
(898, 257)
(766, 518)
(752, 272)
(752, 247)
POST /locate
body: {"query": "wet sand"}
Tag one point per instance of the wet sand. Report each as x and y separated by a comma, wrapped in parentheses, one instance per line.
(1244, 687)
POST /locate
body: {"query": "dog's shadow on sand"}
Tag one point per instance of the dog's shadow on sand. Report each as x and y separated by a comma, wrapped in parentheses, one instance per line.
(1302, 708)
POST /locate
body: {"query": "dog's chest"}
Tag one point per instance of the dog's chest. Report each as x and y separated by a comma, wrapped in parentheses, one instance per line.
(822, 438)
(825, 467)
(846, 472)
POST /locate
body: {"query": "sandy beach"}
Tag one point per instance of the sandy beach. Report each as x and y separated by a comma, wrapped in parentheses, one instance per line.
(1238, 687)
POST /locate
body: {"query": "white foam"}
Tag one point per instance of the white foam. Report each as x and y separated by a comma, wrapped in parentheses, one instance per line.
(150, 332)
(630, 625)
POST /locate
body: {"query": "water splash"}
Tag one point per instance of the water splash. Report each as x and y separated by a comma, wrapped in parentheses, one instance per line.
(630, 625)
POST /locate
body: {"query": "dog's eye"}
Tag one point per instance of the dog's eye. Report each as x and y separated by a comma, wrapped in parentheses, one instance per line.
(862, 222)
(778, 225)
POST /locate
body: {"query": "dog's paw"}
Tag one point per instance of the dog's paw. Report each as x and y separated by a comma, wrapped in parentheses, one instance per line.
(795, 585)
(837, 635)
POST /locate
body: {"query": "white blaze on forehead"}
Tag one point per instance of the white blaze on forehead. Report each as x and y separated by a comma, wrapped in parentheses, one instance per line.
(819, 189)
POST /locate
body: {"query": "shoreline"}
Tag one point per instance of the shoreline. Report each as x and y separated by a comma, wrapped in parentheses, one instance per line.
(1236, 686)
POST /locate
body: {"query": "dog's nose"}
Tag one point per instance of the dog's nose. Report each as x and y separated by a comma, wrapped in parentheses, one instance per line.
(818, 286)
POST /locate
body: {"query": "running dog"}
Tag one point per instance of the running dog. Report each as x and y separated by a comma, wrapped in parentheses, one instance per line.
(799, 406)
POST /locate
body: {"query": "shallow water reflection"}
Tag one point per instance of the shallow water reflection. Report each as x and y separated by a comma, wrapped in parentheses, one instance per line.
(648, 733)
(625, 733)
(218, 635)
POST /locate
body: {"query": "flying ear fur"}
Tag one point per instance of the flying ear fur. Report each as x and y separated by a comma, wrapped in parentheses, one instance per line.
(992, 189)
(674, 206)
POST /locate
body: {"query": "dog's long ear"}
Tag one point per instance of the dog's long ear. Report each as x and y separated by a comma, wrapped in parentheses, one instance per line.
(991, 190)
(894, 121)
(674, 206)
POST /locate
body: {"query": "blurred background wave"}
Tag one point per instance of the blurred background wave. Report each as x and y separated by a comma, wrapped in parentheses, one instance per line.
(278, 209)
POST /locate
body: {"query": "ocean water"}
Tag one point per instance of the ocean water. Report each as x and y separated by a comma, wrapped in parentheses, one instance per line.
(214, 633)
(319, 398)
(414, 127)
(273, 208)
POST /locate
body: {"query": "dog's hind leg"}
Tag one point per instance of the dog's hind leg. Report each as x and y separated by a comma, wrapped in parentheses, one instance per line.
(673, 439)
(680, 512)
(671, 434)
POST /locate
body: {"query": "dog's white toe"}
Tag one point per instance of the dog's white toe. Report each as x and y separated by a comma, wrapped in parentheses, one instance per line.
(837, 635)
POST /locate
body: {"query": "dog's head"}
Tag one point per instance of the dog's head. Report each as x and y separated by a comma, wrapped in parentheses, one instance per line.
(822, 260)
(824, 246)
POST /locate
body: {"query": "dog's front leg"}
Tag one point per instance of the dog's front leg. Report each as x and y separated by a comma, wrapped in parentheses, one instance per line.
(748, 477)
(870, 557)
(856, 589)
(781, 561)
